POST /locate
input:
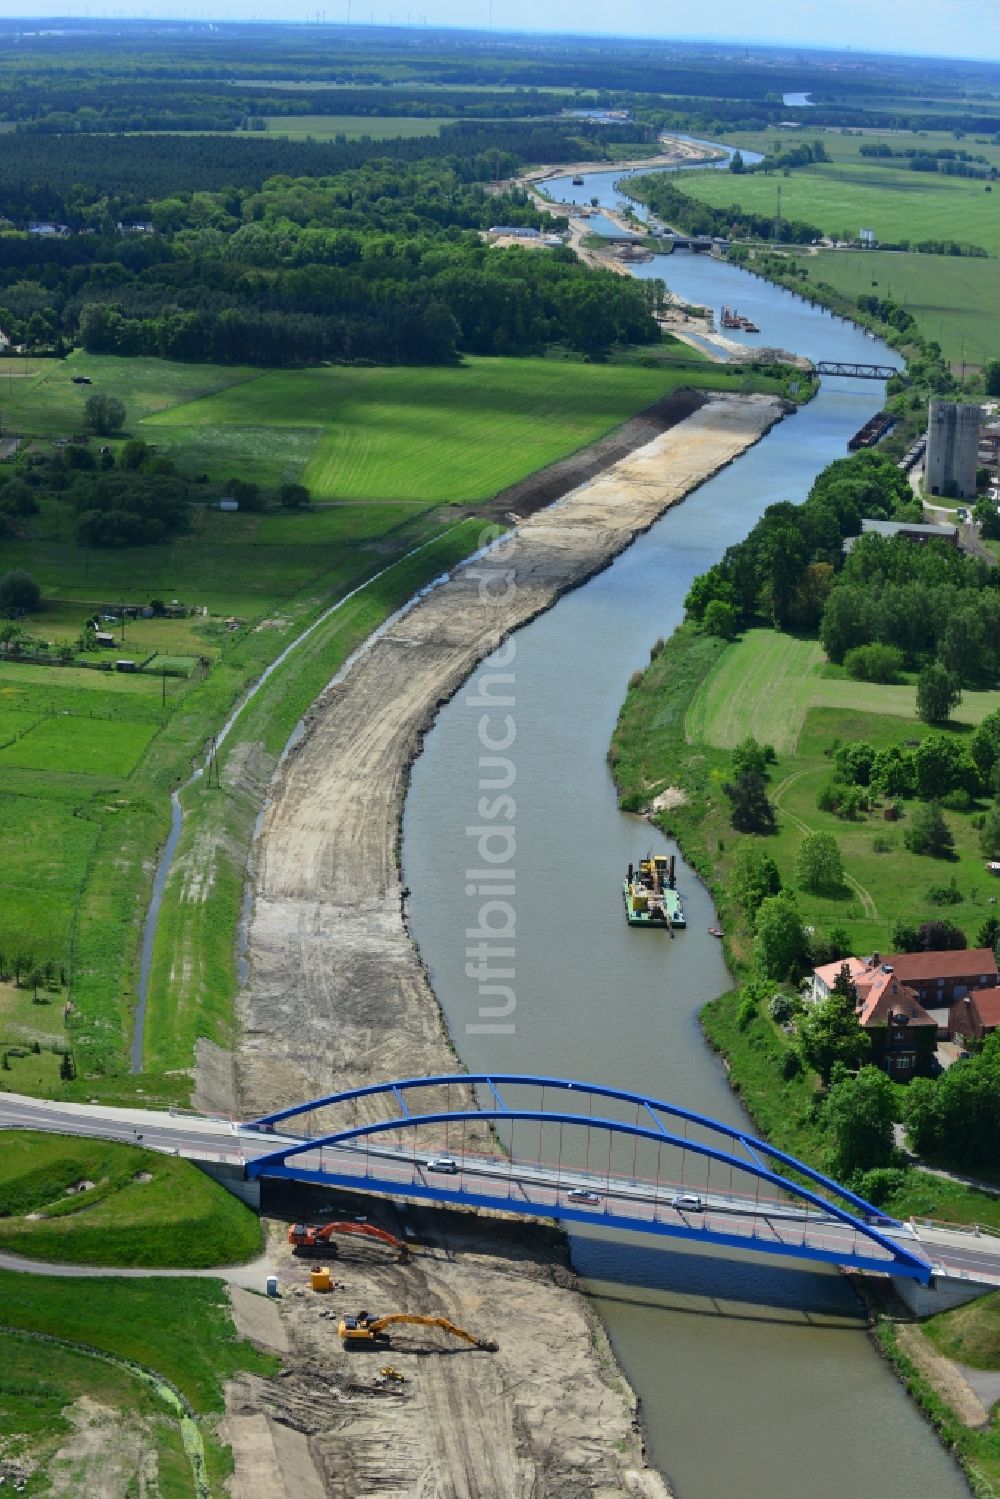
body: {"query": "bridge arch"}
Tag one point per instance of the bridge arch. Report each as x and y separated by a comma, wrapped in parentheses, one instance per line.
(824, 1201)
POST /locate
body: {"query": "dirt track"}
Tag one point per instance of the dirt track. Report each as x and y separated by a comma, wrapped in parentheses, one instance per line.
(337, 996)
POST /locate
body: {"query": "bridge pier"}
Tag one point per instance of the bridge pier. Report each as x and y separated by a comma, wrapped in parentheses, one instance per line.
(941, 1293)
(233, 1177)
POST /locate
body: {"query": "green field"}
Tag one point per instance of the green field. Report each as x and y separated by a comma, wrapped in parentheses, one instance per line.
(377, 127)
(765, 683)
(141, 1209)
(955, 299)
(88, 757)
(841, 197)
(845, 145)
(82, 746)
(182, 1328)
(430, 434)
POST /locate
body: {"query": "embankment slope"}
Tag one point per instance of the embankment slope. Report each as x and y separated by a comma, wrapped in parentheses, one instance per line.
(337, 995)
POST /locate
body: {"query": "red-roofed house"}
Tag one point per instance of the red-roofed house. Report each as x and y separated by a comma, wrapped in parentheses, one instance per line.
(903, 1035)
(940, 978)
(975, 1016)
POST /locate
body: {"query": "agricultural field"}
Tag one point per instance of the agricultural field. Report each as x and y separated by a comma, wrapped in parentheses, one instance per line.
(88, 757)
(954, 299)
(438, 435)
(354, 127)
(840, 197)
(765, 683)
(845, 145)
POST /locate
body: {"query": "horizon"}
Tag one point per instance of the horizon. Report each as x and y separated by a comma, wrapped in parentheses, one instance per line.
(972, 25)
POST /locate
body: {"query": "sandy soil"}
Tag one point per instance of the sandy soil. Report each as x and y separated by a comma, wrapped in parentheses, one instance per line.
(337, 996)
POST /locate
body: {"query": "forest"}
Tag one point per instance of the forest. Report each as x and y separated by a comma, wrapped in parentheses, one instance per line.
(381, 262)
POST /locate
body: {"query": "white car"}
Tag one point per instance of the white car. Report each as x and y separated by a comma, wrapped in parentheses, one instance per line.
(444, 1163)
(580, 1194)
(687, 1202)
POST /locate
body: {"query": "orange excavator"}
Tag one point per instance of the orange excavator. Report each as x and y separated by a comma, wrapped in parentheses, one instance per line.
(307, 1240)
(366, 1331)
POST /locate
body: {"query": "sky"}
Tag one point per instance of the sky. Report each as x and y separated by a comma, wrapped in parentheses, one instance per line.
(955, 28)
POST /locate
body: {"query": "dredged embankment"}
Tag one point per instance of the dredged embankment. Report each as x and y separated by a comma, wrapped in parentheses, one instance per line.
(337, 995)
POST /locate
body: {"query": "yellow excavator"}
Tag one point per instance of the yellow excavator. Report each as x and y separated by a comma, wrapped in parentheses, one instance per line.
(366, 1331)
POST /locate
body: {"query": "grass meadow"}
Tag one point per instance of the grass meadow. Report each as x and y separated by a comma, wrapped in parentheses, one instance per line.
(354, 127)
(435, 435)
(840, 197)
(143, 1209)
(699, 698)
(88, 758)
(954, 299)
(765, 683)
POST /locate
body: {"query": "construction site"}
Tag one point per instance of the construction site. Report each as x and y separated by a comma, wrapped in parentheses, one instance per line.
(416, 1349)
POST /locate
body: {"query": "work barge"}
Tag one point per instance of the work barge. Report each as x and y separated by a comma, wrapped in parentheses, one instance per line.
(650, 894)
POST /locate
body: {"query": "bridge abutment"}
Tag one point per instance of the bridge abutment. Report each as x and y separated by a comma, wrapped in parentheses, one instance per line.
(941, 1294)
(233, 1177)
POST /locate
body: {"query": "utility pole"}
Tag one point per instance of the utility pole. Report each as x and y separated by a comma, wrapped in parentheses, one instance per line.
(777, 218)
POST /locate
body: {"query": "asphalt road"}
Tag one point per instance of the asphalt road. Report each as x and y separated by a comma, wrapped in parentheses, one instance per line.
(760, 1222)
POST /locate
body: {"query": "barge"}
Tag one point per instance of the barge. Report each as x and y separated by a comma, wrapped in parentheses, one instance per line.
(650, 894)
(733, 319)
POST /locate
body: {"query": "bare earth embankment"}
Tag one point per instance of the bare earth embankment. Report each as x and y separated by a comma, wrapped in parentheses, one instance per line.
(337, 997)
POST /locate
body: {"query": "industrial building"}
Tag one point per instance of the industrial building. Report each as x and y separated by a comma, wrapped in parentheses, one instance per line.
(952, 449)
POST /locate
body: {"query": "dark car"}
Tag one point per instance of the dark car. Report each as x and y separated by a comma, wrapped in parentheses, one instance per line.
(82, 380)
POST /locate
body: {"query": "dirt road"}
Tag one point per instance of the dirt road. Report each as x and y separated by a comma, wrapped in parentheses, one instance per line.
(337, 996)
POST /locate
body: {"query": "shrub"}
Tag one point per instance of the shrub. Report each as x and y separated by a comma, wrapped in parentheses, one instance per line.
(874, 663)
(19, 593)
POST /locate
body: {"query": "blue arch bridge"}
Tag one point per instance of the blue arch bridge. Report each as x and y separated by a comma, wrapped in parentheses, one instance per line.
(554, 1148)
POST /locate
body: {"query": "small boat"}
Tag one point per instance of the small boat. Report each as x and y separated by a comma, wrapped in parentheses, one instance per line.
(715, 931)
(650, 895)
(577, 181)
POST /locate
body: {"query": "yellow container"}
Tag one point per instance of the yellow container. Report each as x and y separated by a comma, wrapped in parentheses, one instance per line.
(319, 1278)
(640, 902)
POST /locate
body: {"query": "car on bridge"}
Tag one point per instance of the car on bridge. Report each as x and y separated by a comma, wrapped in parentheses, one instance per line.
(687, 1202)
(443, 1163)
(580, 1194)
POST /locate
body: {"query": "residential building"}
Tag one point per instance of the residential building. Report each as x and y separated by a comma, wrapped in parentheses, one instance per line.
(941, 978)
(975, 1016)
(903, 1035)
(38, 226)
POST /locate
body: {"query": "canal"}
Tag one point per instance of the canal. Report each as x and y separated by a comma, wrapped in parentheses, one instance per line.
(756, 1379)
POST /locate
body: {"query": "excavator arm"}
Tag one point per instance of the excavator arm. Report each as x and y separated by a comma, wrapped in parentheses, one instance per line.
(363, 1328)
(442, 1322)
(305, 1237)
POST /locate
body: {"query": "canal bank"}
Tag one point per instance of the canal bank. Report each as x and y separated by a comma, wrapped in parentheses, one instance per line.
(753, 1379)
(338, 995)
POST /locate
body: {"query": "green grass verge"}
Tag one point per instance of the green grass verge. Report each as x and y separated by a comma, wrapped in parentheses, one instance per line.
(183, 1328)
(144, 1209)
(193, 979)
(969, 1334)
